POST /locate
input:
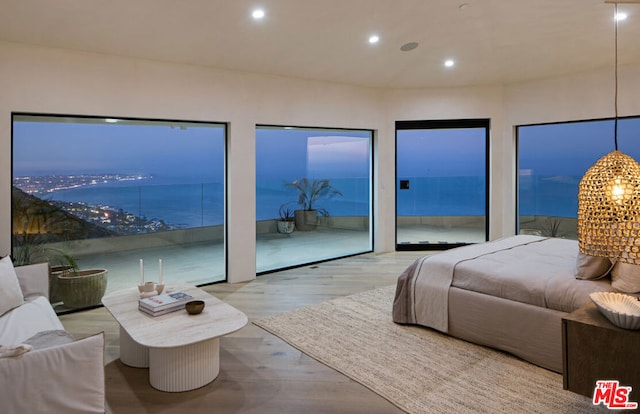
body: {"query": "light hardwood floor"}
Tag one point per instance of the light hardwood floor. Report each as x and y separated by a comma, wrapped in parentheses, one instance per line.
(259, 373)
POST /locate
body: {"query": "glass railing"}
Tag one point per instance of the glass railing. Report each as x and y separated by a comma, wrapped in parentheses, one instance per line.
(146, 208)
(354, 201)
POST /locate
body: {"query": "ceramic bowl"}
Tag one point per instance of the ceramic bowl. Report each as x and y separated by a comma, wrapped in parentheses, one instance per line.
(194, 307)
(621, 310)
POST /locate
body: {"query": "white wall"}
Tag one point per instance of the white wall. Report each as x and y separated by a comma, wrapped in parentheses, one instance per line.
(579, 96)
(44, 80)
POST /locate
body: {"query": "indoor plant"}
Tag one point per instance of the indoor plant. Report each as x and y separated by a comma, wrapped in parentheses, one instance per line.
(309, 193)
(37, 226)
(286, 224)
(29, 248)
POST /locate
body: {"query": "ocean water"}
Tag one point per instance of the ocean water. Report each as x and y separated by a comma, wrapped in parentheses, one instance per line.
(194, 205)
(555, 195)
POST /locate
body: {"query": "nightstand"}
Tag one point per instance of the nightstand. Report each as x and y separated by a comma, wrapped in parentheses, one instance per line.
(595, 349)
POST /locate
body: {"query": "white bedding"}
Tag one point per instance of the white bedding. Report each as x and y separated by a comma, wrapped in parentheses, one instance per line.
(528, 269)
(540, 274)
(435, 274)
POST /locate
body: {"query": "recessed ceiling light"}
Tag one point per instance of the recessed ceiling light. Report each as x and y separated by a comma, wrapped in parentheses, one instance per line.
(110, 120)
(409, 46)
(373, 39)
(620, 16)
(257, 14)
(449, 63)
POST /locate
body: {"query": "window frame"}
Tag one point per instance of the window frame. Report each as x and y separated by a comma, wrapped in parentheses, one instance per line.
(444, 124)
(371, 212)
(541, 124)
(100, 119)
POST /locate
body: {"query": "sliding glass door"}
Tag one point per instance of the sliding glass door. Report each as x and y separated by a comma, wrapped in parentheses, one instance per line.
(441, 178)
(313, 195)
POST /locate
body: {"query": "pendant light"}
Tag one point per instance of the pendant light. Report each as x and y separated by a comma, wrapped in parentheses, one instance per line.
(609, 198)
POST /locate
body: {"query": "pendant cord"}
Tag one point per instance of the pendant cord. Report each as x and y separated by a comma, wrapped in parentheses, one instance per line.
(615, 133)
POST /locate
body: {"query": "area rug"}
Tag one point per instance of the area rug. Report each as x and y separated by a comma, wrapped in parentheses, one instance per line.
(418, 369)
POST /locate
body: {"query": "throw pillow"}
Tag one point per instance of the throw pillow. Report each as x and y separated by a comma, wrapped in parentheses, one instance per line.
(592, 267)
(10, 292)
(47, 339)
(625, 277)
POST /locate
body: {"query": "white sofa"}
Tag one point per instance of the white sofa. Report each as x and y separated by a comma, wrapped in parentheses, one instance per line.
(52, 373)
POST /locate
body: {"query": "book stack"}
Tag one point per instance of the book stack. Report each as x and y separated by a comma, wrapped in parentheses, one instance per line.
(163, 304)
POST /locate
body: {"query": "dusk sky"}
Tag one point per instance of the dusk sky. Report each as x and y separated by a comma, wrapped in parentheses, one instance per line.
(325, 154)
(44, 148)
(62, 148)
(571, 148)
(441, 152)
(41, 148)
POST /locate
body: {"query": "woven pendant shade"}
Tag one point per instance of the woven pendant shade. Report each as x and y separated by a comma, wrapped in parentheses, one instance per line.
(609, 209)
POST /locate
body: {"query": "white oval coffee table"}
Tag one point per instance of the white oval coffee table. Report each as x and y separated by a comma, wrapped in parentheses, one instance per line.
(182, 351)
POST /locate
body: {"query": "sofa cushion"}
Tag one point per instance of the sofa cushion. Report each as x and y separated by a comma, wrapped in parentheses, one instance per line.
(21, 323)
(60, 379)
(46, 339)
(34, 280)
(10, 292)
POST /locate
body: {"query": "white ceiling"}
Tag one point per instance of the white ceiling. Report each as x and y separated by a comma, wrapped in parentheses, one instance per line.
(492, 41)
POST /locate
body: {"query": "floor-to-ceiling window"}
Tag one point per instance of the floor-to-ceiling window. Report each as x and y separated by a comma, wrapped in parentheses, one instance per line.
(552, 158)
(107, 192)
(442, 187)
(313, 195)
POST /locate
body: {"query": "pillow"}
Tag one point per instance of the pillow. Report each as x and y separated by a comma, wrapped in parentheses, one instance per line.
(47, 339)
(10, 292)
(592, 267)
(625, 277)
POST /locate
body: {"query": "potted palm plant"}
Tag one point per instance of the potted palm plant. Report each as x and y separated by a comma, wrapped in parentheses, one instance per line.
(286, 224)
(309, 193)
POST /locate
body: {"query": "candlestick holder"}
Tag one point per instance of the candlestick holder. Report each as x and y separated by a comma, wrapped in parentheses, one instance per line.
(149, 289)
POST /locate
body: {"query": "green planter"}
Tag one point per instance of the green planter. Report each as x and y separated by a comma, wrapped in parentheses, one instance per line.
(83, 288)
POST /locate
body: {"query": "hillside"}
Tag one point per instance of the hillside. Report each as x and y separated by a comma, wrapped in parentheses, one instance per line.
(33, 218)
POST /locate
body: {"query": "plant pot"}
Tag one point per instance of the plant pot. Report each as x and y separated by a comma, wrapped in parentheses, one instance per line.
(306, 220)
(286, 227)
(54, 273)
(83, 288)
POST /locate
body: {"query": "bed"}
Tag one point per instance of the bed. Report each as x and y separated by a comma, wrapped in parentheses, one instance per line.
(509, 294)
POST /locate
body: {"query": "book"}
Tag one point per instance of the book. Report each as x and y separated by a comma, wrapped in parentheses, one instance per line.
(161, 312)
(174, 300)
